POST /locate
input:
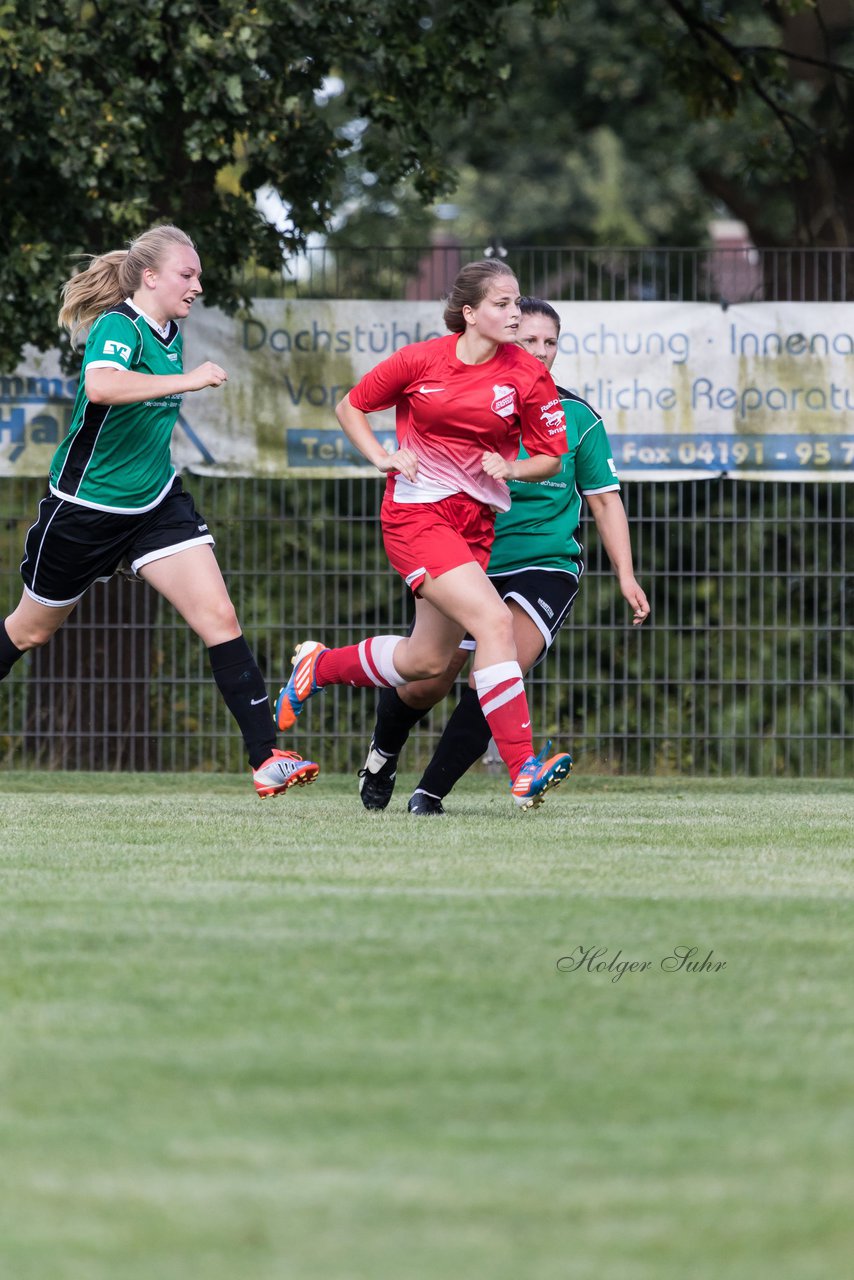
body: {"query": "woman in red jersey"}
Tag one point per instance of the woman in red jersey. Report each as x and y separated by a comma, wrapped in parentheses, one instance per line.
(463, 404)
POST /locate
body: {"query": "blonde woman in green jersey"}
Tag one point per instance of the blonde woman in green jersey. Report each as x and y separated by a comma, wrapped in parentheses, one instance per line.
(114, 493)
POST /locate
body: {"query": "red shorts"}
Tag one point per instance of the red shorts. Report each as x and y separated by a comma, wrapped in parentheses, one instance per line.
(433, 537)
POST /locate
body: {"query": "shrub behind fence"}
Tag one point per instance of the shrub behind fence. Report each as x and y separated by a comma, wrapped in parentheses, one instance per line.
(744, 668)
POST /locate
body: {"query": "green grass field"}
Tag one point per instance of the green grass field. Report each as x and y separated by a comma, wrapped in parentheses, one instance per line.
(289, 1040)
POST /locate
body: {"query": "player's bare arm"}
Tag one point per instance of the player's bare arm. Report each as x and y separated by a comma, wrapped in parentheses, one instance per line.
(540, 467)
(357, 429)
(613, 528)
(125, 386)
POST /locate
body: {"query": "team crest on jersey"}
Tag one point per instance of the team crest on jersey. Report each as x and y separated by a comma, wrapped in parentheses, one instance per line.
(504, 403)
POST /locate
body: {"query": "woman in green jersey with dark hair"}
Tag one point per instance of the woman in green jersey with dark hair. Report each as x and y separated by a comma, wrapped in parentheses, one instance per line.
(535, 567)
(114, 494)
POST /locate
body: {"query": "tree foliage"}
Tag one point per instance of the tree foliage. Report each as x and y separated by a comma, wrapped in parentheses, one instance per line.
(779, 80)
(598, 121)
(630, 124)
(114, 116)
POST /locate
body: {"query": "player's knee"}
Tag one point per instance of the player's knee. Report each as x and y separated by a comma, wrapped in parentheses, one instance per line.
(234, 621)
(36, 635)
(419, 702)
(220, 622)
(496, 623)
(421, 695)
(428, 667)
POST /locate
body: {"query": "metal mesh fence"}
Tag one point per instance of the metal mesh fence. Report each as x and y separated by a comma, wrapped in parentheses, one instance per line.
(744, 668)
(726, 273)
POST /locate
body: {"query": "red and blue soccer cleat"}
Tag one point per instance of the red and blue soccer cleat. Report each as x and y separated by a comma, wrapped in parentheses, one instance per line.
(538, 775)
(301, 685)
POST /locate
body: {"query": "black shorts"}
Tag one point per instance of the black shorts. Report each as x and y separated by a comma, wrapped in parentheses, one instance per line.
(546, 595)
(70, 546)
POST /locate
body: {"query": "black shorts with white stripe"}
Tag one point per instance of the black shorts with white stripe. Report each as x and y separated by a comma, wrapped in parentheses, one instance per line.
(71, 546)
(546, 595)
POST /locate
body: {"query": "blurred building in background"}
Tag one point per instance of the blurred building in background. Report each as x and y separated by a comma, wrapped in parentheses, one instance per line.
(735, 266)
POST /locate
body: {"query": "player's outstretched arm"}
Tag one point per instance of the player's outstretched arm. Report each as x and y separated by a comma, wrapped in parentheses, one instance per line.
(613, 527)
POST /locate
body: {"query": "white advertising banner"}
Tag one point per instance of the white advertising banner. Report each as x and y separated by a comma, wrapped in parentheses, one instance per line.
(685, 389)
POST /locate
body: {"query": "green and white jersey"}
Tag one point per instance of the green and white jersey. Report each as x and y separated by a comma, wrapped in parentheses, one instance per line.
(540, 531)
(117, 457)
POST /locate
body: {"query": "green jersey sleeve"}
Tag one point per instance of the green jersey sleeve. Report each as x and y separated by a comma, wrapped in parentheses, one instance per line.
(541, 528)
(113, 343)
(595, 471)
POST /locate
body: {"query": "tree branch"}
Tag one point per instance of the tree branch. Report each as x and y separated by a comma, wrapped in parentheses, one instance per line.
(836, 68)
(784, 117)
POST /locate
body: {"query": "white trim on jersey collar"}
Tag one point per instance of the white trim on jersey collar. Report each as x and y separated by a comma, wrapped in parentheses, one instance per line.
(163, 331)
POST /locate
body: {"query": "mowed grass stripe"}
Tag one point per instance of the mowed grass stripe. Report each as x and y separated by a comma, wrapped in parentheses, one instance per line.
(290, 1039)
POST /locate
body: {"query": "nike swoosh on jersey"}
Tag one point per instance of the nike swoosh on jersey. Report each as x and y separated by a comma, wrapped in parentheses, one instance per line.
(429, 391)
(254, 702)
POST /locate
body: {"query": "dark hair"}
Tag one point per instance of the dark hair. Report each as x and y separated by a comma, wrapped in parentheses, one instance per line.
(469, 290)
(538, 307)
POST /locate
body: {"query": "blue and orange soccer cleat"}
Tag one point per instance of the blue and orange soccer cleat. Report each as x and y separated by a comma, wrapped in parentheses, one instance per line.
(538, 775)
(283, 770)
(301, 685)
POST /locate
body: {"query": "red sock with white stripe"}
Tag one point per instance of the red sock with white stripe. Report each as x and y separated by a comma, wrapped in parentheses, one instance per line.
(504, 702)
(361, 665)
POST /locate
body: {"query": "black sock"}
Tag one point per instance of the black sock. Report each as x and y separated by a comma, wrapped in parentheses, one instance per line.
(394, 722)
(245, 694)
(9, 653)
(465, 739)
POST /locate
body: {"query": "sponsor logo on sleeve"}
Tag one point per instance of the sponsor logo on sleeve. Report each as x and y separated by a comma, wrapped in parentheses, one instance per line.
(553, 418)
(112, 348)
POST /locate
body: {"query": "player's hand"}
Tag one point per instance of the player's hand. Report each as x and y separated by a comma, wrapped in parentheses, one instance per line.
(403, 460)
(634, 596)
(206, 375)
(496, 466)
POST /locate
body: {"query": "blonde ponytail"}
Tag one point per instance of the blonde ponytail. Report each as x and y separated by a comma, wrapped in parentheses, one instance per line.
(91, 291)
(111, 277)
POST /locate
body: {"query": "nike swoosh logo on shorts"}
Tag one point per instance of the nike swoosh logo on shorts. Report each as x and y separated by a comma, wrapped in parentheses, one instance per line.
(429, 391)
(254, 702)
(526, 725)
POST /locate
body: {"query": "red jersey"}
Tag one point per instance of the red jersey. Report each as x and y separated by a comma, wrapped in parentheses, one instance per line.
(448, 413)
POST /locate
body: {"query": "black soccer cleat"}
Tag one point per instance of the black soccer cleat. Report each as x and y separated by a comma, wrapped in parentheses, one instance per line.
(377, 779)
(425, 805)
